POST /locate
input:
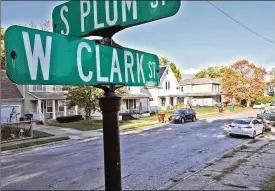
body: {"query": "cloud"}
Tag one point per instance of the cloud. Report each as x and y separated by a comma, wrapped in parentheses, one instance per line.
(190, 71)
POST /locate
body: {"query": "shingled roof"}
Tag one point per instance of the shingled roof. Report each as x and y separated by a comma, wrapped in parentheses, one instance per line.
(9, 90)
(200, 81)
(161, 71)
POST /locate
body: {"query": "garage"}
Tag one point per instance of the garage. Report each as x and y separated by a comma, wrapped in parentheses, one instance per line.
(8, 111)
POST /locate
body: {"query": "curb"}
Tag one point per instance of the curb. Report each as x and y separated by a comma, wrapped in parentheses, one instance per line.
(3, 153)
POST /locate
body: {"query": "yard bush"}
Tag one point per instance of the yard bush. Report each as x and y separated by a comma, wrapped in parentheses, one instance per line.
(264, 99)
(67, 119)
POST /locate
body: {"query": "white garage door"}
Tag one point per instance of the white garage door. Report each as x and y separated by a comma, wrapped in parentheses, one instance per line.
(6, 111)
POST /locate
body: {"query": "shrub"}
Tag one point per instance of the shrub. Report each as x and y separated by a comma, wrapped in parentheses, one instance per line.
(67, 119)
(264, 99)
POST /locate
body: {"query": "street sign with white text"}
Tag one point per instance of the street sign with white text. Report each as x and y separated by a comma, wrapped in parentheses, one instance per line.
(39, 57)
(86, 18)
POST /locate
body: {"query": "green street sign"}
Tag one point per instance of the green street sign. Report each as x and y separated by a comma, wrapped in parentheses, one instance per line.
(86, 18)
(39, 57)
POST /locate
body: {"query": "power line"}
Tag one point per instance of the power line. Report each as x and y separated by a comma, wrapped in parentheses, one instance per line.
(254, 32)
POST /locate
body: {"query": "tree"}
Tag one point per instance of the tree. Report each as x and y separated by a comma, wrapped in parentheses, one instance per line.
(164, 62)
(3, 60)
(87, 97)
(243, 81)
(210, 72)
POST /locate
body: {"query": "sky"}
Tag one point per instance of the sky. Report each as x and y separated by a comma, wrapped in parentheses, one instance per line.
(197, 37)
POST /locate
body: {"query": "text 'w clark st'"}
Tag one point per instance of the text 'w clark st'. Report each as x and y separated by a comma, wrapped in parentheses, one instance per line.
(69, 60)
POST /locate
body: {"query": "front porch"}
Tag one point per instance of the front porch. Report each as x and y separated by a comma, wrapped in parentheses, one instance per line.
(170, 102)
(135, 103)
(48, 105)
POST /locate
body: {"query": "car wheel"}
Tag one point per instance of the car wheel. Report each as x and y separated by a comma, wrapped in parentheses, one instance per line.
(254, 135)
(182, 120)
(194, 118)
(231, 135)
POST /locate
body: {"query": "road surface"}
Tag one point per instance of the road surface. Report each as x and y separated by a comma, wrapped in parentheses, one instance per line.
(149, 158)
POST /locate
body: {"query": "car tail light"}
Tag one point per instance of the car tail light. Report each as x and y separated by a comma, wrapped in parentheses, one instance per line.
(247, 127)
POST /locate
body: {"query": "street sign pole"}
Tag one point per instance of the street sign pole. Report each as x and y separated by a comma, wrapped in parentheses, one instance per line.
(110, 105)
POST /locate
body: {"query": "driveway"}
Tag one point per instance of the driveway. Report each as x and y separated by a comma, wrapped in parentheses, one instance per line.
(149, 159)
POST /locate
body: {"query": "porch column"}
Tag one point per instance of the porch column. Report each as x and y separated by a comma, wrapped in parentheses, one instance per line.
(65, 109)
(54, 117)
(175, 101)
(38, 110)
(76, 109)
(167, 102)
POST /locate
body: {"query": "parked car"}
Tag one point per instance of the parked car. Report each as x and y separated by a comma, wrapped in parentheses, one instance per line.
(272, 107)
(248, 127)
(269, 121)
(262, 118)
(258, 106)
(182, 115)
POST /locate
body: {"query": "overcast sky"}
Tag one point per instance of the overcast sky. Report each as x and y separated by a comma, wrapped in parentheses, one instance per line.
(197, 37)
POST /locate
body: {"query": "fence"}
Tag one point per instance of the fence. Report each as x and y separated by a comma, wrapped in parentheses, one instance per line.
(16, 131)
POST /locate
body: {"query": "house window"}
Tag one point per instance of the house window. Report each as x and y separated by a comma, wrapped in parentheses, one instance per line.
(181, 88)
(49, 108)
(167, 85)
(151, 99)
(130, 104)
(60, 105)
(57, 88)
(38, 88)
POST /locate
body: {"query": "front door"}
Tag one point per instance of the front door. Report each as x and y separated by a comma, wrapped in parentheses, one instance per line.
(172, 101)
(42, 106)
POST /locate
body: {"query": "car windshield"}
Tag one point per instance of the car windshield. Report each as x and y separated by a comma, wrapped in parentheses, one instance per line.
(272, 104)
(270, 118)
(242, 121)
(177, 113)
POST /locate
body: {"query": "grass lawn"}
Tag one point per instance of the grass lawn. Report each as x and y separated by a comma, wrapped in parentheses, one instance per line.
(269, 185)
(28, 144)
(82, 125)
(40, 134)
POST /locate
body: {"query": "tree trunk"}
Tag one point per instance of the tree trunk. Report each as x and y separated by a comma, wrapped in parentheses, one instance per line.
(247, 103)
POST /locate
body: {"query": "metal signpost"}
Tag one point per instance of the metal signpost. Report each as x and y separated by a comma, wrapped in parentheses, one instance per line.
(39, 57)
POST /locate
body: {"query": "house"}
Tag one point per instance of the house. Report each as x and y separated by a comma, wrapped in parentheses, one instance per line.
(43, 101)
(135, 101)
(11, 99)
(201, 92)
(167, 95)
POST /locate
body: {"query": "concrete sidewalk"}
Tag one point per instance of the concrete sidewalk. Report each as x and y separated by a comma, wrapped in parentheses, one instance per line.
(72, 133)
(247, 167)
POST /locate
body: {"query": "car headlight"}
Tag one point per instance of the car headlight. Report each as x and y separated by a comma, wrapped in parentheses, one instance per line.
(178, 117)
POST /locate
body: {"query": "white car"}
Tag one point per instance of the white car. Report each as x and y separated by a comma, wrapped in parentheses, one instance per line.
(258, 106)
(248, 127)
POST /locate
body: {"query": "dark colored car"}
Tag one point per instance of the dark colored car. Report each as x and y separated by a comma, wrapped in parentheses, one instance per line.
(269, 121)
(182, 115)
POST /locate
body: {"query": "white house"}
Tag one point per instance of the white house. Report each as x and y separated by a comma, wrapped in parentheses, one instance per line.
(201, 92)
(167, 94)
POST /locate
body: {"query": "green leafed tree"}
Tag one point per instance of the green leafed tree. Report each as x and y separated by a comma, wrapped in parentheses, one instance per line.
(164, 62)
(86, 97)
(3, 65)
(210, 72)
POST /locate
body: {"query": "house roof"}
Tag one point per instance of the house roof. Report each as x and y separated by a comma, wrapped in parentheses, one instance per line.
(130, 95)
(200, 81)
(48, 95)
(161, 71)
(9, 90)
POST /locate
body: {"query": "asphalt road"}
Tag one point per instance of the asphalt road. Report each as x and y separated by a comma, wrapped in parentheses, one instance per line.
(149, 158)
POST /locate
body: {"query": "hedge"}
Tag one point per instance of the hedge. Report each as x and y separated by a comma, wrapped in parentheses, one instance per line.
(67, 119)
(264, 99)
